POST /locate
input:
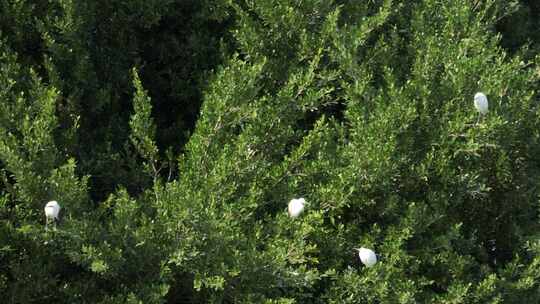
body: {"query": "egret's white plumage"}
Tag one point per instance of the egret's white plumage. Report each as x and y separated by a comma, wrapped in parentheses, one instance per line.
(296, 206)
(52, 209)
(367, 256)
(481, 103)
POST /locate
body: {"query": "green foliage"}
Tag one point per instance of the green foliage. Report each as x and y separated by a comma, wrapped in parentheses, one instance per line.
(174, 133)
(142, 126)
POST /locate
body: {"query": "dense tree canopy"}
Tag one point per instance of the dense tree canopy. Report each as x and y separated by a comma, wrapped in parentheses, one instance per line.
(174, 133)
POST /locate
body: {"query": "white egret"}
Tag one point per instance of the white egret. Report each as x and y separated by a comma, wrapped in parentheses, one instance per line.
(481, 103)
(52, 210)
(367, 256)
(296, 206)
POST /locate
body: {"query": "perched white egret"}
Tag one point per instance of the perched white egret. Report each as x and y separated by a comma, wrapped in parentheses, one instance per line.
(296, 206)
(367, 256)
(52, 210)
(481, 103)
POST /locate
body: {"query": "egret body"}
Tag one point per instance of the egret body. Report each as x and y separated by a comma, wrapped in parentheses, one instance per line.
(367, 256)
(296, 206)
(481, 103)
(52, 210)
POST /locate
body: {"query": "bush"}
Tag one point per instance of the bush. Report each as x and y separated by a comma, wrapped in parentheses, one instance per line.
(174, 134)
